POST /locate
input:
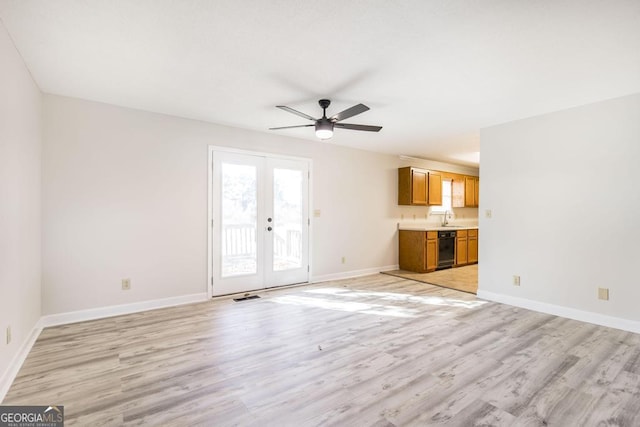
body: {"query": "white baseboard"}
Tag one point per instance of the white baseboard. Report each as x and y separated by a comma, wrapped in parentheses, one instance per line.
(79, 316)
(352, 274)
(118, 310)
(16, 363)
(558, 310)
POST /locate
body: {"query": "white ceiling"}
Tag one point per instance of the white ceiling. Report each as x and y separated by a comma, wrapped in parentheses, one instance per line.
(433, 72)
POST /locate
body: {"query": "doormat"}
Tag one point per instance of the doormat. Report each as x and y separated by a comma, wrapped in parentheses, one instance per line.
(246, 298)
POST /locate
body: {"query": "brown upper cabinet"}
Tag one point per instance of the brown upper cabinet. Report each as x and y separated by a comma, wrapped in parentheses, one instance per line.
(419, 187)
(435, 188)
(465, 192)
(471, 186)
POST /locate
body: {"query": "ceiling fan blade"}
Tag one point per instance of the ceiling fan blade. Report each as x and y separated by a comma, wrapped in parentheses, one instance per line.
(296, 112)
(349, 112)
(290, 127)
(358, 127)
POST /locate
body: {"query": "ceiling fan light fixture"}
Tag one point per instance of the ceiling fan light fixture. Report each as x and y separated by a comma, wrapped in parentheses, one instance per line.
(324, 129)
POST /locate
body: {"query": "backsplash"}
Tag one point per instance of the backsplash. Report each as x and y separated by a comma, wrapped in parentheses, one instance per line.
(423, 216)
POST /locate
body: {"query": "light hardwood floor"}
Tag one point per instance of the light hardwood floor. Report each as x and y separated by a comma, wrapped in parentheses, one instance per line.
(372, 351)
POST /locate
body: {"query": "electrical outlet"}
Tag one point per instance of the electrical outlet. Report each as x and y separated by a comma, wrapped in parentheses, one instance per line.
(126, 284)
(603, 293)
(8, 334)
(344, 260)
(516, 280)
(487, 213)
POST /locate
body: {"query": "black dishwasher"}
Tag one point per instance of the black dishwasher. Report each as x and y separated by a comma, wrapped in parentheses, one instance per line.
(446, 249)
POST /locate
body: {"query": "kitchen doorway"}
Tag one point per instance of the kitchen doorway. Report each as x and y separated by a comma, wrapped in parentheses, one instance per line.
(259, 221)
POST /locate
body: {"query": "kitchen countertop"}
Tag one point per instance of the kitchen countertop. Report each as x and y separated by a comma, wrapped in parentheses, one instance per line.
(436, 227)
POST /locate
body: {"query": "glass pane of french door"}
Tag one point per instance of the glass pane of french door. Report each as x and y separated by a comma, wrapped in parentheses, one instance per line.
(288, 212)
(239, 219)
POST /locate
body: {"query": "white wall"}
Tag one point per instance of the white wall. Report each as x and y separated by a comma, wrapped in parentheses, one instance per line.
(563, 190)
(20, 149)
(125, 196)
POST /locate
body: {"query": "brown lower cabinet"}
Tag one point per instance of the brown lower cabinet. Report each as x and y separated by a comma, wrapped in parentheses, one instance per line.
(461, 247)
(466, 247)
(418, 250)
(472, 246)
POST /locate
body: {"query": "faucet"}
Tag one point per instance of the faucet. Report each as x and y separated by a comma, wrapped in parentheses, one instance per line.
(444, 218)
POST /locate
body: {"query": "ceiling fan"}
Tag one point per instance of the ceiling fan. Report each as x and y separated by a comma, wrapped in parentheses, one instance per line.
(325, 125)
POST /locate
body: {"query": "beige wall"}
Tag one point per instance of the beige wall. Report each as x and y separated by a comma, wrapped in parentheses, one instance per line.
(125, 196)
(20, 149)
(563, 192)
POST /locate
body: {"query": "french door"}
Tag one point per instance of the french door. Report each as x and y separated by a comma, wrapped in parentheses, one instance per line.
(260, 222)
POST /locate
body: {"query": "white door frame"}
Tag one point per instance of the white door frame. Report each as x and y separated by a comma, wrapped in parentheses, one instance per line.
(210, 225)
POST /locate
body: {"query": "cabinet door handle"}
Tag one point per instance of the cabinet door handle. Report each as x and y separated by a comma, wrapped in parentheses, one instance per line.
(269, 228)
